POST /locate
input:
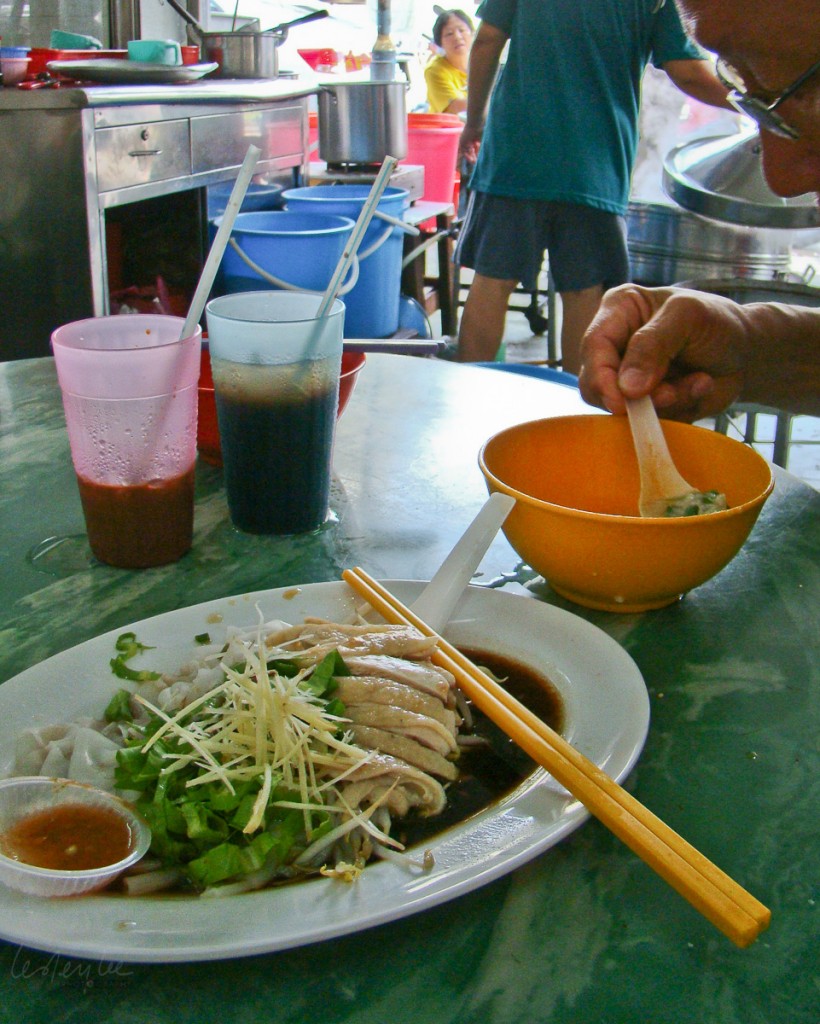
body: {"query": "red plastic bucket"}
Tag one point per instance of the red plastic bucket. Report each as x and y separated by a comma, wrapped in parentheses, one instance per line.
(432, 142)
(423, 119)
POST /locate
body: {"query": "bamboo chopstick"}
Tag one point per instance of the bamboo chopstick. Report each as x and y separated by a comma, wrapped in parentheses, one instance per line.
(720, 899)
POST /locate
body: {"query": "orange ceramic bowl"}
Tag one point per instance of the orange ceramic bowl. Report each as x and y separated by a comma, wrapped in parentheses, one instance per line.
(576, 520)
(207, 431)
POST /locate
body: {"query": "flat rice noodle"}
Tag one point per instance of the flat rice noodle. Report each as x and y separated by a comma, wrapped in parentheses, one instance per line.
(70, 751)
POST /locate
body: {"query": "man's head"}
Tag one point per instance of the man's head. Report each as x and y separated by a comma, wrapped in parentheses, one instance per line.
(770, 45)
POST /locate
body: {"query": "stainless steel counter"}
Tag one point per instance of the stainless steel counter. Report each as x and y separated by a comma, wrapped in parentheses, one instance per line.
(71, 157)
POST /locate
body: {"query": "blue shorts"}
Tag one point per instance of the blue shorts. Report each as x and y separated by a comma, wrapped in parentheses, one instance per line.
(505, 238)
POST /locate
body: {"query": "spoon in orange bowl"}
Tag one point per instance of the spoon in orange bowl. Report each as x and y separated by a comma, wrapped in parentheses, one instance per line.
(664, 492)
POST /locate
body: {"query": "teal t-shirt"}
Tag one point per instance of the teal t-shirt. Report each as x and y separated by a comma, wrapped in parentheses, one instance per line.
(563, 117)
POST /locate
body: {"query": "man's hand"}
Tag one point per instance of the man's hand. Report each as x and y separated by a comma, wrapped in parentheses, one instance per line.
(687, 349)
(469, 143)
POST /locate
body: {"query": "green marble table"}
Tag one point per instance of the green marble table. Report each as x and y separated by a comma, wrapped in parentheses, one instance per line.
(586, 933)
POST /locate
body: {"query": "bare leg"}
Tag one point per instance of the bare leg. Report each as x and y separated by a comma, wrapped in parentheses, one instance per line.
(481, 330)
(577, 310)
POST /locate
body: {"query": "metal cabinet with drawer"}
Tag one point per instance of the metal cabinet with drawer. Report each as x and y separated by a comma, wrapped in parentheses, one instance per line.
(142, 153)
(76, 164)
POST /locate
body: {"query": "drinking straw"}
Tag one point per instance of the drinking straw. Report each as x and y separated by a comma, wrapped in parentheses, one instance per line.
(206, 278)
(356, 236)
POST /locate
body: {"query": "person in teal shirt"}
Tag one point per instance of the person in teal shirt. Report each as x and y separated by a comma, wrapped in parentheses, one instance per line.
(554, 159)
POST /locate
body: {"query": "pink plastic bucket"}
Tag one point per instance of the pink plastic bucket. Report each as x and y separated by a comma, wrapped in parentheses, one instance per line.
(432, 142)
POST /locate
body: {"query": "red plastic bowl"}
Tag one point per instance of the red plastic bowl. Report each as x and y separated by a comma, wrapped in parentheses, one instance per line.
(39, 56)
(207, 432)
(352, 362)
(320, 58)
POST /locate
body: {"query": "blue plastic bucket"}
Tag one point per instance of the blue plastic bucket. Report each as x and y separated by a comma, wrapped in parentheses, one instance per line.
(299, 250)
(257, 197)
(372, 305)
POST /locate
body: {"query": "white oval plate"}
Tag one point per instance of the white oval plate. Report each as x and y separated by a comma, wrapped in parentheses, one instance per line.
(607, 717)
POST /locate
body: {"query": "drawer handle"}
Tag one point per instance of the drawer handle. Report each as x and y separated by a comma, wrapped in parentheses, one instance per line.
(145, 152)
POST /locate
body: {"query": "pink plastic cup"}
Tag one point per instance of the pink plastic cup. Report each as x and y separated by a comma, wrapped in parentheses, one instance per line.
(129, 386)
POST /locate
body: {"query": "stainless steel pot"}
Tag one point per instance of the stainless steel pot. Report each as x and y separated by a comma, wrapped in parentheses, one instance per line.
(362, 122)
(246, 54)
(743, 291)
(242, 54)
(721, 177)
(667, 244)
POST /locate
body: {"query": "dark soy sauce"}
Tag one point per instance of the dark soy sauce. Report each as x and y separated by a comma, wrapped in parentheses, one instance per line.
(490, 770)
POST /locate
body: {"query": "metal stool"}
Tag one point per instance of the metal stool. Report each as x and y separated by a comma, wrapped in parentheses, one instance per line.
(782, 433)
(438, 292)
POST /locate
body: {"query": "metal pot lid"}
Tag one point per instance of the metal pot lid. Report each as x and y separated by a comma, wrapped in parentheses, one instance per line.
(721, 177)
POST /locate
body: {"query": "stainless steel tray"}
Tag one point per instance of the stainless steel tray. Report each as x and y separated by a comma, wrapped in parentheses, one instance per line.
(133, 72)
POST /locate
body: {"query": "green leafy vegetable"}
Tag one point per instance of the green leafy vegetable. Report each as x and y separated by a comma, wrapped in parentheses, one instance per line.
(119, 707)
(220, 829)
(321, 681)
(128, 646)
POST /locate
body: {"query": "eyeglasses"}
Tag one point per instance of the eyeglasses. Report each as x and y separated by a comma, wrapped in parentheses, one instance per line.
(763, 112)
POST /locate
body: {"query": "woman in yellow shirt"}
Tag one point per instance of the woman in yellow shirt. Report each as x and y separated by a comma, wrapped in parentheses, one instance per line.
(446, 75)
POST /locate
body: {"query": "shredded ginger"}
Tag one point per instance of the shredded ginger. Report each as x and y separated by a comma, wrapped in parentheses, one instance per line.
(260, 723)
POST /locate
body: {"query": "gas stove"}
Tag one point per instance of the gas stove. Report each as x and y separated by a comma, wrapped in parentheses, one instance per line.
(406, 176)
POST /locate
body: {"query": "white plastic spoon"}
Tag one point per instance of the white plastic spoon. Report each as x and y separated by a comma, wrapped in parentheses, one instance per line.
(436, 602)
(664, 492)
